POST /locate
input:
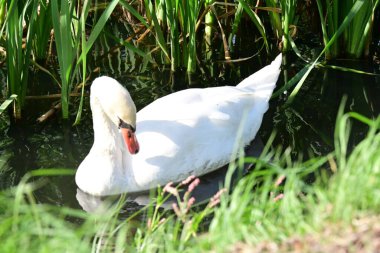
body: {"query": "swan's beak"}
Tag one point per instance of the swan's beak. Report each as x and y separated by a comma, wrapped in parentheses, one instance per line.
(130, 140)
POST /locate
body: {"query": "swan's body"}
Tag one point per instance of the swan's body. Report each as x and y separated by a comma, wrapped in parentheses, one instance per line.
(191, 132)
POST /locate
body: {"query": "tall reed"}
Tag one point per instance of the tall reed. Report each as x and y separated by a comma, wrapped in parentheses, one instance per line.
(66, 42)
(283, 23)
(18, 53)
(356, 38)
(72, 48)
(180, 23)
(42, 31)
(3, 9)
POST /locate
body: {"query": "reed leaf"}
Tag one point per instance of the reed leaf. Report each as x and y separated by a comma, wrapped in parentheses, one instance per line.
(127, 44)
(69, 32)
(361, 31)
(43, 30)
(323, 24)
(355, 40)
(347, 20)
(135, 13)
(292, 82)
(182, 18)
(235, 25)
(6, 8)
(157, 28)
(172, 21)
(62, 19)
(192, 9)
(256, 20)
(98, 28)
(7, 102)
(87, 44)
(209, 24)
(18, 58)
(288, 18)
(275, 18)
(3, 8)
(83, 18)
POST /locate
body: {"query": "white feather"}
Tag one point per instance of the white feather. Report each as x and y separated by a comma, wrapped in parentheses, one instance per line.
(190, 132)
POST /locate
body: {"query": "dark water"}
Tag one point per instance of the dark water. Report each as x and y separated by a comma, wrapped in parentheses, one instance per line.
(307, 125)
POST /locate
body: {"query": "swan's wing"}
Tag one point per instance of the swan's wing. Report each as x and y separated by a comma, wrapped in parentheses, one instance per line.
(196, 137)
(195, 131)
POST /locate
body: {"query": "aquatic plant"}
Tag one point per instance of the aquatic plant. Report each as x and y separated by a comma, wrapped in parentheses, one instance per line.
(43, 29)
(356, 37)
(179, 23)
(18, 58)
(284, 23)
(188, 35)
(68, 20)
(72, 46)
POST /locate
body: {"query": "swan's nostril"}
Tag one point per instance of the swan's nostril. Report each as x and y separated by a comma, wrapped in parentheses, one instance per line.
(136, 151)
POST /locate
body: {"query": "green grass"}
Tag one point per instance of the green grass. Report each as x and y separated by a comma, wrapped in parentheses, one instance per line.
(274, 202)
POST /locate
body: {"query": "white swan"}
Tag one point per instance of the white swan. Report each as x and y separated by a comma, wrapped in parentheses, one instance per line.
(190, 132)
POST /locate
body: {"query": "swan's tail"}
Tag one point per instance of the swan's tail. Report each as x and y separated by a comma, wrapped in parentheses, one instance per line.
(263, 81)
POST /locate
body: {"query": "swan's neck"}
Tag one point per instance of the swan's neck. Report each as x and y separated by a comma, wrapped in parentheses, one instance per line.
(106, 134)
(109, 145)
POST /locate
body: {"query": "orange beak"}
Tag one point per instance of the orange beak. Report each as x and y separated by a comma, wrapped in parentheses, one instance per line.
(130, 140)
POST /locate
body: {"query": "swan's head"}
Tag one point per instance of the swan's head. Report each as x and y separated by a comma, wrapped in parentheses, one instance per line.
(115, 101)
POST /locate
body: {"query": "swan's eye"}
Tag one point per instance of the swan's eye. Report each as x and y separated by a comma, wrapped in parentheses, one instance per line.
(123, 124)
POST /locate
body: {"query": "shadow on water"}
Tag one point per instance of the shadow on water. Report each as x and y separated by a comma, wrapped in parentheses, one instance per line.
(307, 125)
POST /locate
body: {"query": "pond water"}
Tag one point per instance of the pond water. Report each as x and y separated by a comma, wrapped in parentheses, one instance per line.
(306, 125)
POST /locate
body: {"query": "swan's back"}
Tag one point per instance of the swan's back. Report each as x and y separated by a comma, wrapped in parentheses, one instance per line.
(194, 131)
(263, 81)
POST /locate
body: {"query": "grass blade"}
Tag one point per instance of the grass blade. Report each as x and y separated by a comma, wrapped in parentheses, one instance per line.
(157, 28)
(98, 28)
(65, 49)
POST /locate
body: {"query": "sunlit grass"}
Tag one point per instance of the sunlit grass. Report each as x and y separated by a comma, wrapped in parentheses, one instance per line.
(274, 202)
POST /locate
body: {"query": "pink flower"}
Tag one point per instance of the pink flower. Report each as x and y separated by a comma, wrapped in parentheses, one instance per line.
(170, 189)
(193, 184)
(188, 180)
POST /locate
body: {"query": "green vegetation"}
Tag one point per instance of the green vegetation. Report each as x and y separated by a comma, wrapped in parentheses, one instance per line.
(283, 24)
(356, 38)
(18, 58)
(272, 203)
(35, 30)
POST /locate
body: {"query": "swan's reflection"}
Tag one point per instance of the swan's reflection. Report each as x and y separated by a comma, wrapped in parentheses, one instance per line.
(209, 185)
